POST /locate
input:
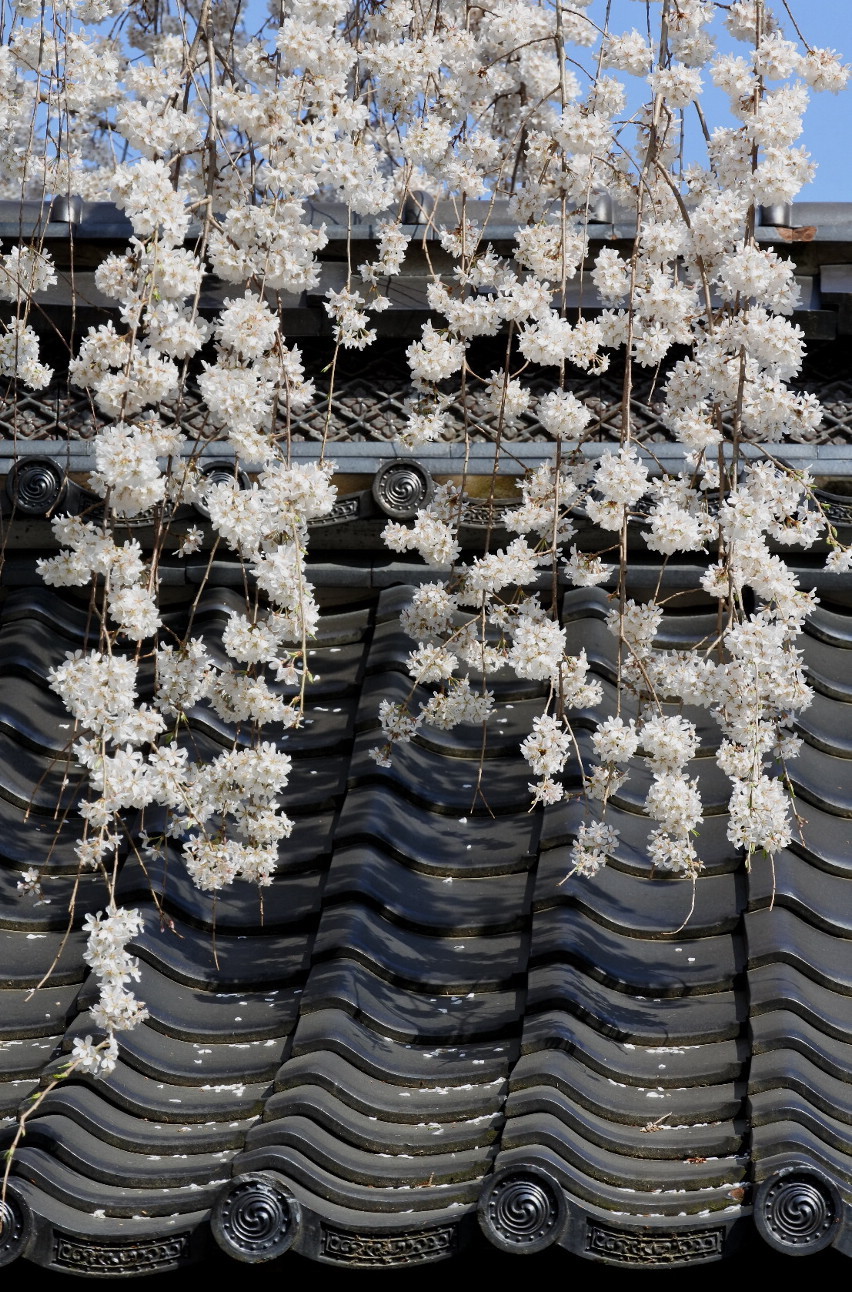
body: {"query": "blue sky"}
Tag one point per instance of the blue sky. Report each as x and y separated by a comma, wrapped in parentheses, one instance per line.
(828, 123)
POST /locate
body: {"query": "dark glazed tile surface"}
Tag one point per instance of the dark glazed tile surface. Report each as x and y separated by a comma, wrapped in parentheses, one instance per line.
(426, 995)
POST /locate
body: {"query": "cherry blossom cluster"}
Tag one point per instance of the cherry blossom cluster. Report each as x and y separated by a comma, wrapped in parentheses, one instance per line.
(116, 1009)
(225, 144)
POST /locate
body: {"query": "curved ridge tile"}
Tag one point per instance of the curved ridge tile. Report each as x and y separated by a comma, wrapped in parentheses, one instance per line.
(779, 1075)
(562, 821)
(138, 1094)
(659, 1139)
(827, 725)
(780, 935)
(610, 1202)
(644, 1020)
(822, 779)
(38, 783)
(789, 1139)
(290, 901)
(773, 1114)
(584, 603)
(665, 966)
(162, 1056)
(26, 1056)
(782, 986)
(434, 841)
(686, 629)
(814, 896)
(385, 1095)
(30, 839)
(713, 784)
(621, 1102)
(194, 1013)
(827, 668)
(507, 726)
(654, 907)
(30, 648)
(28, 958)
(452, 782)
(359, 1197)
(620, 1170)
(400, 1061)
(783, 1030)
(471, 904)
(831, 626)
(822, 839)
(590, 634)
(34, 717)
(336, 626)
(27, 1013)
(95, 1160)
(66, 613)
(653, 1068)
(677, 631)
(406, 1015)
(326, 727)
(452, 965)
(67, 1185)
(433, 1135)
(84, 1105)
(331, 683)
(192, 956)
(48, 913)
(316, 780)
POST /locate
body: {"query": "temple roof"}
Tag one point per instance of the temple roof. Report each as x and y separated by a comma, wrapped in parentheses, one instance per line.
(427, 1019)
(427, 1030)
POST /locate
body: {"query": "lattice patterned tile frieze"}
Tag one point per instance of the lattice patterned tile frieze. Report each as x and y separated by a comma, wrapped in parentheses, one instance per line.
(369, 403)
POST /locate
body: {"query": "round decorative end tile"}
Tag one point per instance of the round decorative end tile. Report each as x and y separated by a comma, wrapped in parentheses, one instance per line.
(16, 1225)
(798, 1211)
(523, 1210)
(256, 1217)
(401, 487)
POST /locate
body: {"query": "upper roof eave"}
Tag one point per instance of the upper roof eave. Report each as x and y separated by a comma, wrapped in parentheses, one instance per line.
(103, 221)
